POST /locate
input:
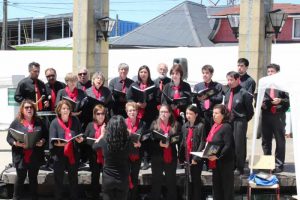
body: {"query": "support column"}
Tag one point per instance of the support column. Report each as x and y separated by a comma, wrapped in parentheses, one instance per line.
(252, 42)
(87, 52)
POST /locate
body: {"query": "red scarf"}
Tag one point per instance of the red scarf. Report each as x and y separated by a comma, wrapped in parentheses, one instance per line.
(272, 95)
(167, 151)
(141, 111)
(176, 89)
(189, 143)
(28, 152)
(73, 95)
(206, 102)
(96, 92)
(53, 98)
(99, 151)
(230, 102)
(132, 130)
(68, 149)
(38, 96)
(214, 129)
(123, 86)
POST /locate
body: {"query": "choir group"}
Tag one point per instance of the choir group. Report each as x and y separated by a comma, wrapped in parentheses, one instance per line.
(124, 127)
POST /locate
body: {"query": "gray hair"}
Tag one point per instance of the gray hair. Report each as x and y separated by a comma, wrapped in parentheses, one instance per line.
(123, 66)
(96, 74)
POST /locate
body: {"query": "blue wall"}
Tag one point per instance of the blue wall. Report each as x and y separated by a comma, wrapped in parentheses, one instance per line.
(123, 28)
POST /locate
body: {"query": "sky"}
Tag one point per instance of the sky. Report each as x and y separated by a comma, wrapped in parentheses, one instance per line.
(139, 11)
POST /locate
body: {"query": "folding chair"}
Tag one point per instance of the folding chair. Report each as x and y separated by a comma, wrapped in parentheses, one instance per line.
(263, 163)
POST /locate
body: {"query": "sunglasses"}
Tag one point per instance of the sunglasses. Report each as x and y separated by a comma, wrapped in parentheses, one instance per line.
(82, 74)
(28, 107)
(100, 113)
(49, 76)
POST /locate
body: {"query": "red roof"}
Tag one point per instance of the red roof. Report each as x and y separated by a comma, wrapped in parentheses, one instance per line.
(286, 7)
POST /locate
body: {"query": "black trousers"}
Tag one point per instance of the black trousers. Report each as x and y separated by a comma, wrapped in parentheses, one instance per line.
(274, 125)
(134, 173)
(59, 172)
(96, 169)
(158, 167)
(19, 182)
(223, 181)
(196, 185)
(115, 194)
(208, 121)
(240, 141)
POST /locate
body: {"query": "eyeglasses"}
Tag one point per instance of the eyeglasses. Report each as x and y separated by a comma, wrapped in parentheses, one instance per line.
(51, 75)
(100, 113)
(163, 111)
(82, 74)
(28, 107)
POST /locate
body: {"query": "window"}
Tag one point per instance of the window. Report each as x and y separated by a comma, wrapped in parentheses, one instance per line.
(296, 28)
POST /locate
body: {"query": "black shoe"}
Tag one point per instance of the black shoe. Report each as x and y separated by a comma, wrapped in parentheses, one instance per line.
(277, 170)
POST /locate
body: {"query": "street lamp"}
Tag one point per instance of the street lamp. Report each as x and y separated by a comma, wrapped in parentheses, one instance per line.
(234, 22)
(276, 18)
(106, 25)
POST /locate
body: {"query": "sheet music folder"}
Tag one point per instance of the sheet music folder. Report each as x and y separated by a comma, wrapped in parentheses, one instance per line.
(143, 95)
(179, 101)
(64, 140)
(209, 150)
(29, 139)
(205, 93)
(165, 138)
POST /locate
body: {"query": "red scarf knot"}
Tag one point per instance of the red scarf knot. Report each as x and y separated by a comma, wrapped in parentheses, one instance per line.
(189, 144)
(68, 149)
(73, 95)
(98, 133)
(28, 152)
(97, 92)
(214, 129)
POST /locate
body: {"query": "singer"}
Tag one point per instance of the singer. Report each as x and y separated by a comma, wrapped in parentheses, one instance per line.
(164, 155)
(32, 88)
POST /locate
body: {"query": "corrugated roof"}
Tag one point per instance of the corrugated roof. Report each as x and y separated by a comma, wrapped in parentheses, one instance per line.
(186, 25)
(288, 8)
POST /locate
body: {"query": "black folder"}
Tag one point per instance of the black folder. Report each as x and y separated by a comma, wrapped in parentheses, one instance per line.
(135, 137)
(64, 140)
(73, 103)
(178, 102)
(145, 95)
(206, 93)
(209, 150)
(29, 139)
(165, 138)
(119, 95)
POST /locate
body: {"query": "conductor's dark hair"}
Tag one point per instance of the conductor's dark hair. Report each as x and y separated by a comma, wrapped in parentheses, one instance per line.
(33, 64)
(233, 74)
(149, 81)
(274, 66)
(224, 111)
(243, 61)
(117, 134)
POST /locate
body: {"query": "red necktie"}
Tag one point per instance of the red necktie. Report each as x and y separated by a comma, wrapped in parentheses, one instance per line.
(189, 143)
(272, 95)
(206, 102)
(53, 98)
(160, 85)
(167, 151)
(123, 86)
(230, 100)
(96, 92)
(38, 96)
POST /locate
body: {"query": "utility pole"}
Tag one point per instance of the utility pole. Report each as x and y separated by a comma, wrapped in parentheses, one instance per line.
(4, 26)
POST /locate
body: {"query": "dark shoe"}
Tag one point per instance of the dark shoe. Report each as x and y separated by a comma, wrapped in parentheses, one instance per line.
(277, 170)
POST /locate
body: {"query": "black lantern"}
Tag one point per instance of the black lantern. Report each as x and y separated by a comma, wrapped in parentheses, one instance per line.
(277, 19)
(106, 25)
(234, 22)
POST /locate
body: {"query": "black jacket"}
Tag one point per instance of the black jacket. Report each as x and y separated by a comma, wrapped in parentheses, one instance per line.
(57, 86)
(248, 83)
(37, 157)
(280, 108)
(242, 103)
(56, 131)
(62, 93)
(26, 90)
(198, 140)
(141, 130)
